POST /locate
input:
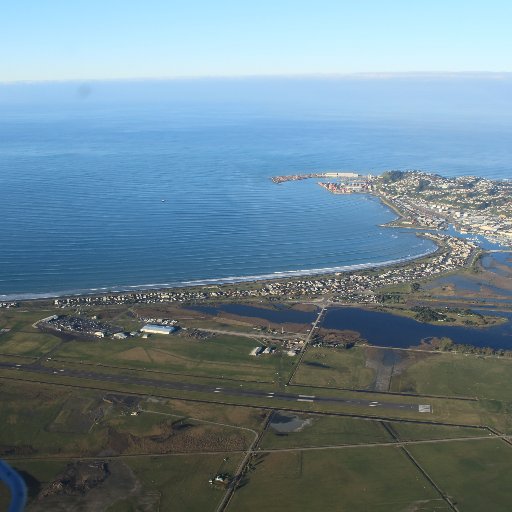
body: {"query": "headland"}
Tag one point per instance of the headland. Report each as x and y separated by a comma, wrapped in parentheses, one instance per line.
(131, 397)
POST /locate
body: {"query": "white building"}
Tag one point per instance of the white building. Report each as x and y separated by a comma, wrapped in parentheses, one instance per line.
(158, 329)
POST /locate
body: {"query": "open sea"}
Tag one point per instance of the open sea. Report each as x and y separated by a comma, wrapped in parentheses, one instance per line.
(106, 192)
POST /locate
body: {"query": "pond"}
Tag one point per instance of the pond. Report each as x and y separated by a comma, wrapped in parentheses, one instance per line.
(461, 283)
(284, 423)
(387, 330)
(278, 314)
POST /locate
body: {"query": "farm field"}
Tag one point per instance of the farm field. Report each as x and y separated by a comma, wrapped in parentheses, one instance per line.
(178, 482)
(475, 474)
(168, 413)
(419, 432)
(358, 479)
(222, 355)
(316, 430)
(335, 368)
(45, 420)
(457, 375)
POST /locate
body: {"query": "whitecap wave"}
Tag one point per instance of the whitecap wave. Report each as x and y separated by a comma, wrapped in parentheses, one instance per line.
(215, 281)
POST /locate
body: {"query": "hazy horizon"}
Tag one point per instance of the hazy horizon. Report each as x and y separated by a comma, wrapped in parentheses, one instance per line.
(419, 96)
(85, 40)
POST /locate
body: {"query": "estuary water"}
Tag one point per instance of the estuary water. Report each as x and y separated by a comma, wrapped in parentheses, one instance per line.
(111, 194)
(379, 328)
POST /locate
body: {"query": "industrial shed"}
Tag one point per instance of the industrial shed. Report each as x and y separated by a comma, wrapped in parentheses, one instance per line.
(158, 329)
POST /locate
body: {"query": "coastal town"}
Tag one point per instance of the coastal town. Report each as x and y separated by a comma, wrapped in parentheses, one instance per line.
(425, 200)
(473, 205)
(356, 286)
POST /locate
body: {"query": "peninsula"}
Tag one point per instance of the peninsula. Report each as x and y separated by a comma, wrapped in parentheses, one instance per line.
(425, 200)
(212, 393)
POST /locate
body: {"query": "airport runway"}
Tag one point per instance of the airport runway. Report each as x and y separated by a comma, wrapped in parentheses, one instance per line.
(215, 390)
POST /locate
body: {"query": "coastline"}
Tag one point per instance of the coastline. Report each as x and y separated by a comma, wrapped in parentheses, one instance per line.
(395, 223)
(258, 279)
(452, 254)
(287, 275)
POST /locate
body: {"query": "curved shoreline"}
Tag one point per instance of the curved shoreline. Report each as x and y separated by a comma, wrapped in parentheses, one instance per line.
(233, 280)
(202, 283)
(280, 276)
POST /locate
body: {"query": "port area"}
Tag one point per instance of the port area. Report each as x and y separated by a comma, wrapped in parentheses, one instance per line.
(346, 182)
(345, 178)
(359, 185)
(422, 200)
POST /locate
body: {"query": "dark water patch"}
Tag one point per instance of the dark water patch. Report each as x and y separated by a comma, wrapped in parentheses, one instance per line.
(280, 315)
(316, 364)
(208, 310)
(387, 330)
(285, 423)
(461, 283)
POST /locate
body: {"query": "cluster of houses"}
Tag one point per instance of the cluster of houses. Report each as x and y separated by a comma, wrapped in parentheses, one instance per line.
(8, 305)
(474, 205)
(356, 286)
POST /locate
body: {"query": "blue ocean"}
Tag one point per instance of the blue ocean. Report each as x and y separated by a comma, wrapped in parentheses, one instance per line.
(114, 186)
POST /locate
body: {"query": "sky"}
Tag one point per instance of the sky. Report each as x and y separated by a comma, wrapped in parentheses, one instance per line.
(112, 39)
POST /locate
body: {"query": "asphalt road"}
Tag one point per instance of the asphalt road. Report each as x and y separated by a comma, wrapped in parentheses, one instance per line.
(219, 390)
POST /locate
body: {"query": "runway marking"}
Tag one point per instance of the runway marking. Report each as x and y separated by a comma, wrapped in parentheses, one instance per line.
(304, 400)
(306, 396)
(424, 408)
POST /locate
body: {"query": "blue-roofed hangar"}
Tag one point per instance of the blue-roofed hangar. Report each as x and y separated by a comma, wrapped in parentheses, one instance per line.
(158, 329)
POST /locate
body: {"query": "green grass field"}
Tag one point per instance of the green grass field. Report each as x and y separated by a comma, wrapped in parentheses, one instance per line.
(178, 483)
(23, 339)
(246, 417)
(458, 375)
(15, 359)
(221, 355)
(27, 343)
(419, 432)
(44, 420)
(345, 480)
(476, 474)
(75, 417)
(336, 368)
(327, 430)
